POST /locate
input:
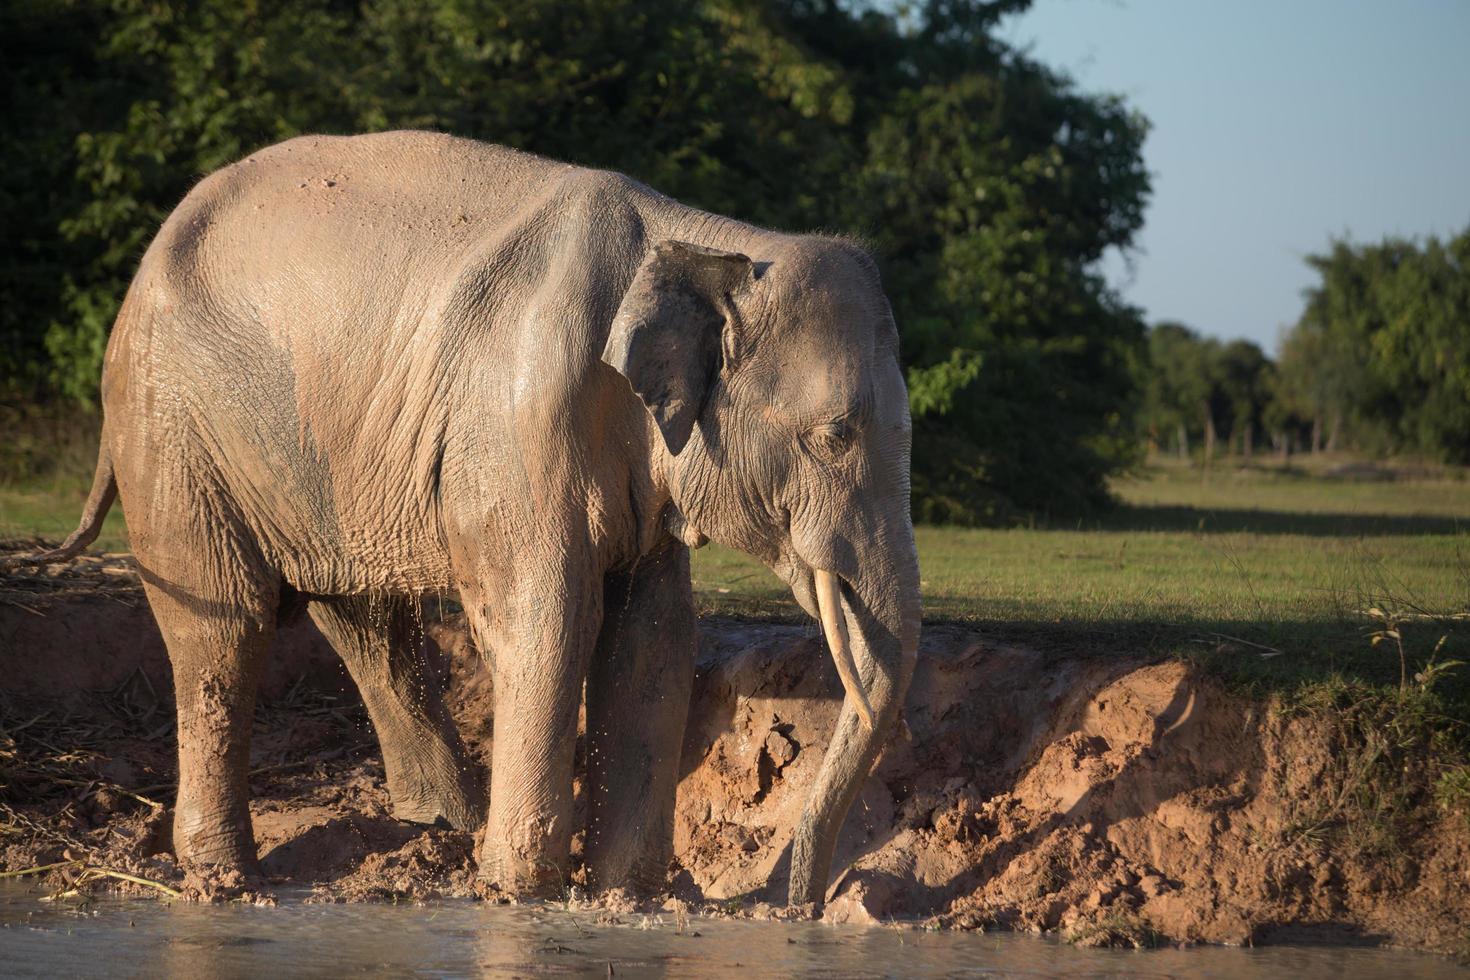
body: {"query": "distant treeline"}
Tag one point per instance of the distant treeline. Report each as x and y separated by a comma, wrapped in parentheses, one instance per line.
(987, 185)
(1379, 362)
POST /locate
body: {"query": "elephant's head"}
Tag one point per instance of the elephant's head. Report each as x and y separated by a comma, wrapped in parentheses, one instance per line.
(777, 390)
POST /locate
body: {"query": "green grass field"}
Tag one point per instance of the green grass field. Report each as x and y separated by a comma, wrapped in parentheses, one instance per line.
(1247, 545)
(1246, 562)
(50, 511)
(1284, 563)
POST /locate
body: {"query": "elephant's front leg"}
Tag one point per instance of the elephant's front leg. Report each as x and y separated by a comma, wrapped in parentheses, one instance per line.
(541, 646)
(637, 701)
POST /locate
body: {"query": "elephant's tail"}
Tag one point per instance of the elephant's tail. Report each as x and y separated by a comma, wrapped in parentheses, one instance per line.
(99, 501)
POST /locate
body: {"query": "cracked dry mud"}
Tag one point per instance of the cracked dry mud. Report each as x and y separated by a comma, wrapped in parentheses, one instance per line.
(1115, 799)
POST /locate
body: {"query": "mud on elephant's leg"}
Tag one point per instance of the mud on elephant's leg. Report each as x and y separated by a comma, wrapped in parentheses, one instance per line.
(542, 642)
(431, 776)
(217, 648)
(638, 692)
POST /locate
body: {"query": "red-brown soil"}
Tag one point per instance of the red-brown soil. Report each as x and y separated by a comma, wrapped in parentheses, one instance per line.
(1116, 799)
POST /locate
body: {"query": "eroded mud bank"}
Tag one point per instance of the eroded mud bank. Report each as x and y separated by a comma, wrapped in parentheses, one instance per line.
(1115, 799)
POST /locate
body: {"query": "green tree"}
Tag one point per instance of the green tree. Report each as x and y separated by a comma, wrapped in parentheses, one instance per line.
(1380, 358)
(55, 87)
(1421, 352)
(988, 185)
(982, 194)
(1243, 372)
(1180, 386)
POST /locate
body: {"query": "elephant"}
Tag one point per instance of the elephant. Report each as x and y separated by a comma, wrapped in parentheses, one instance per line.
(354, 372)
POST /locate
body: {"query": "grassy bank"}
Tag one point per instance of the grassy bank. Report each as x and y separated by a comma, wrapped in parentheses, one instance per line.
(46, 463)
(1267, 572)
(1248, 545)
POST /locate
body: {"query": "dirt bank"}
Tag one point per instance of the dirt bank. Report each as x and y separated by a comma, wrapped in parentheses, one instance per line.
(1111, 798)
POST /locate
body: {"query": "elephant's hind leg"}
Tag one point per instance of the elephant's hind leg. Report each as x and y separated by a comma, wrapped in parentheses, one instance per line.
(217, 647)
(430, 775)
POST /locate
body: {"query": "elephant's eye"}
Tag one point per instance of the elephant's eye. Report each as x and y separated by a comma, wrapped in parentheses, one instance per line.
(830, 440)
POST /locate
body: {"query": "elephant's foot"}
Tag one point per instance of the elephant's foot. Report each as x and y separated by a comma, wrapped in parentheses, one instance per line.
(627, 863)
(205, 882)
(214, 836)
(218, 863)
(507, 875)
(643, 882)
(444, 795)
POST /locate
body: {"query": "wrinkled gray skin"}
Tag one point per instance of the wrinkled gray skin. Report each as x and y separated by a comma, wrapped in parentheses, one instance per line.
(355, 371)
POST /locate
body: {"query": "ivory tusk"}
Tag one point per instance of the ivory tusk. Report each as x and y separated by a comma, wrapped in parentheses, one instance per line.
(834, 625)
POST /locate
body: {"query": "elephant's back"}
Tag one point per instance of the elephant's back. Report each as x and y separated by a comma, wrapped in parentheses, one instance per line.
(289, 317)
(341, 226)
(322, 266)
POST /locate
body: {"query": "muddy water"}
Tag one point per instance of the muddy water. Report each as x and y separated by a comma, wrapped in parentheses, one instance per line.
(142, 937)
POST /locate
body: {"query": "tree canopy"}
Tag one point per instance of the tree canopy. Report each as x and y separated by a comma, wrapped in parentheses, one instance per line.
(1378, 362)
(1381, 354)
(987, 185)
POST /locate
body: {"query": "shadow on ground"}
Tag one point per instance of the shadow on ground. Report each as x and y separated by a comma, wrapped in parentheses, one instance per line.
(1133, 517)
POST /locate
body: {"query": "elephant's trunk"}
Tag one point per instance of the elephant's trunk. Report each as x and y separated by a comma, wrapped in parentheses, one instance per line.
(881, 614)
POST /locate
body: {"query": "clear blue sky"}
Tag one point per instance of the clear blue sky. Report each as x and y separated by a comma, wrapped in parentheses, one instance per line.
(1276, 125)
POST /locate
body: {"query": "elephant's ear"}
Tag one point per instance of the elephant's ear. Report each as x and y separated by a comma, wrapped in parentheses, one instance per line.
(668, 334)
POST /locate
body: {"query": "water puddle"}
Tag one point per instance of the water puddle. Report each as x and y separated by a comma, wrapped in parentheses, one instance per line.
(143, 937)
